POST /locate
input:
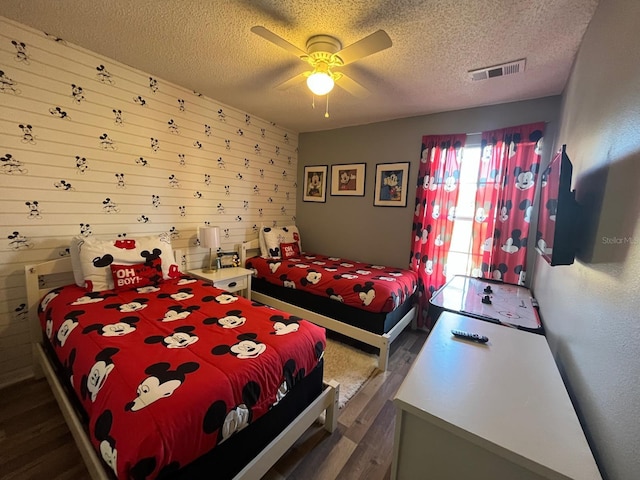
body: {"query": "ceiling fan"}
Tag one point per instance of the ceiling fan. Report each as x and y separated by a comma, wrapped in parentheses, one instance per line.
(325, 54)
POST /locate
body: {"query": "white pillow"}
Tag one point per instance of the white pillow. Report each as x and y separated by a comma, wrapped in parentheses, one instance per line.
(263, 246)
(74, 252)
(274, 236)
(96, 257)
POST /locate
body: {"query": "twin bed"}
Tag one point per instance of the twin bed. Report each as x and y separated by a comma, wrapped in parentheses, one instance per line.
(369, 303)
(172, 377)
(160, 375)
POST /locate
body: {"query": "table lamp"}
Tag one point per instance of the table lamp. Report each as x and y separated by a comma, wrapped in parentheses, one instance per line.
(209, 238)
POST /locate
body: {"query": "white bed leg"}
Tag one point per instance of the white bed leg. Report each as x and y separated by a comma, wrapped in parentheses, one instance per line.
(331, 415)
(383, 358)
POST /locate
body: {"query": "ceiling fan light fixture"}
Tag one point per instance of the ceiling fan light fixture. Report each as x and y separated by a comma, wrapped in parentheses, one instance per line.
(320, 83)
(325, 55)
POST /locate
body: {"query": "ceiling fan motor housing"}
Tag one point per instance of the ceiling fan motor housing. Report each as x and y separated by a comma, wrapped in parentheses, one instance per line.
(321, 48)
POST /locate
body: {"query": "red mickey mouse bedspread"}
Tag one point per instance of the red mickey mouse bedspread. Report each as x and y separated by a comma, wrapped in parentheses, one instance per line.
(374, 288)
(167, 372)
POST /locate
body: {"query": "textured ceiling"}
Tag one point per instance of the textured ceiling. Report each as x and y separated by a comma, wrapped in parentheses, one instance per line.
(207, 46)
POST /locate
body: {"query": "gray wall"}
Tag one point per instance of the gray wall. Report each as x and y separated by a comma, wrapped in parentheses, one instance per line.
(351, 226)
(591, 309)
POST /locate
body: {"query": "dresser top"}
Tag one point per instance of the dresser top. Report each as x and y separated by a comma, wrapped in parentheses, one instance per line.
(506, 396)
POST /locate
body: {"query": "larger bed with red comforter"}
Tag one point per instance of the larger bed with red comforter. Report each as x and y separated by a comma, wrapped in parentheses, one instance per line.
(167, 372)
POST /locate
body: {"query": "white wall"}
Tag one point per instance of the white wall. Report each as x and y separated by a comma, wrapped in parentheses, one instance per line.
(591, 309)
(251, 186)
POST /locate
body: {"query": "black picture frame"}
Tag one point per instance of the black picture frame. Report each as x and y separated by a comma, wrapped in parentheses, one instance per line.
(348, 179)
(392, 182)
(314, 183)
(229, 259)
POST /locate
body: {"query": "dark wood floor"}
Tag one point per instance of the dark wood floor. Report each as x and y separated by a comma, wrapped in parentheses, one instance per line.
(35, 442)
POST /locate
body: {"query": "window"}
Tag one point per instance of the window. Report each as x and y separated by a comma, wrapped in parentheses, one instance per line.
(460, 255)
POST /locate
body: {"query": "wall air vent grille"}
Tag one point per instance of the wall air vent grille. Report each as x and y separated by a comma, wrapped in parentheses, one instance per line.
(509, 68)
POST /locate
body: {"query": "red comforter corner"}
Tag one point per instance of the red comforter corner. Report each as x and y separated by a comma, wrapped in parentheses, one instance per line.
(166, 373)
(374, 288)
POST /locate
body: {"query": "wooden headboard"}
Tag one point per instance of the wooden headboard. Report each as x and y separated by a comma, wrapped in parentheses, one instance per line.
(39, 280)
(249, 249)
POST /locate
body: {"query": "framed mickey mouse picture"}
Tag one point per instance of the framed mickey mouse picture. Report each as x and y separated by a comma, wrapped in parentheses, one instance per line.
(229, 259)
(348, 179)
(392, 180)
(315, 184)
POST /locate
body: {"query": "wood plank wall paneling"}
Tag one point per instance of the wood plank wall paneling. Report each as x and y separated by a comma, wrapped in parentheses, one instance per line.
(91, 146)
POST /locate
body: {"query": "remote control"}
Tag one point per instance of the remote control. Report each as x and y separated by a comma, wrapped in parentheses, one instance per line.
(474, 337)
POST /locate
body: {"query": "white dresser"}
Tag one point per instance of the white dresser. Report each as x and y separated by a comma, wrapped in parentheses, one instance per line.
(487, 411)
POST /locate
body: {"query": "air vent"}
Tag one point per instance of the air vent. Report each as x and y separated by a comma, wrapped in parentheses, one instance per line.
(509, 68)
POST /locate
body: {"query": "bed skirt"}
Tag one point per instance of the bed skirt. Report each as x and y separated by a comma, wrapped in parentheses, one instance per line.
(378, 323)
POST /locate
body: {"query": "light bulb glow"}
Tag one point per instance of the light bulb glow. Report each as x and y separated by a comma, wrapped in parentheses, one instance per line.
(320, 83)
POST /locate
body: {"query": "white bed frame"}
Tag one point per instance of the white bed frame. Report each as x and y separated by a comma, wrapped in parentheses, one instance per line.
(383, 342)
(43, 277)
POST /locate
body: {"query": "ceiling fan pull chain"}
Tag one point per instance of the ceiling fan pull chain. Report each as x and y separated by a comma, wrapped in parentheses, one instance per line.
(313, 101)
(326, 112)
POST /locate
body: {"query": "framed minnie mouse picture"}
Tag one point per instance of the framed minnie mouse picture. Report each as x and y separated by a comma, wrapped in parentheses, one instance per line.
(315, 184)
(392, 181)
(348, 179)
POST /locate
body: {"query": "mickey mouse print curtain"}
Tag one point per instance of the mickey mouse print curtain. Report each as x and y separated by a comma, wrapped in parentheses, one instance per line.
(436, 199)
(508, 172)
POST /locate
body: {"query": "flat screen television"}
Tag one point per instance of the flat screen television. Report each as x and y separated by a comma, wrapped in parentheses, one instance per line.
(559, 214)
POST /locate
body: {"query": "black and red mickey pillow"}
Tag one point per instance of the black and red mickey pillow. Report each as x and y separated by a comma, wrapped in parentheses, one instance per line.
(126, 277)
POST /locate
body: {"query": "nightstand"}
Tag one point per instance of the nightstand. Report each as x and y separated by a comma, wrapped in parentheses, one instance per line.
(232, 279)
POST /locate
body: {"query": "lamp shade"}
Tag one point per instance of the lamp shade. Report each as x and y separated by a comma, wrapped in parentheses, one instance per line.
(320, 83)
(209, 237)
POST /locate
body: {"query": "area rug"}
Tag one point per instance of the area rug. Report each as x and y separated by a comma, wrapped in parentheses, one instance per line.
(348, 366)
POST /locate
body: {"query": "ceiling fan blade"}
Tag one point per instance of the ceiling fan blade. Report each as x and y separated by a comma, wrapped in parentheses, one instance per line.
(279, 41)
(374, 43)
(353, 87)
(291, 82)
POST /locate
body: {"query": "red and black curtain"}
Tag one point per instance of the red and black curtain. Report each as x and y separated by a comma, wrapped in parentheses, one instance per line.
(436, 198)
(507, 176)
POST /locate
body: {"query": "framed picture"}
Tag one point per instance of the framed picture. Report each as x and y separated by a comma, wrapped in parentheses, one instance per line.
(229, 259)
(391, 184)
(348, 179)
(315, 184)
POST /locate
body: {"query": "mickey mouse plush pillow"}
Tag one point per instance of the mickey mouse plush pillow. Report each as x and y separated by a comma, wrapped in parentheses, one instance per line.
(274, 236)
(95, 258)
